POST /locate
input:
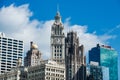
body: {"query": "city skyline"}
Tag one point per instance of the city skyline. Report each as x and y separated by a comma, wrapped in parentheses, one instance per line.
(34, 18)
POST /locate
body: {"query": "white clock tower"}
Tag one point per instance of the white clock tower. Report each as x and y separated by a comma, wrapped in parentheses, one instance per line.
(58, 40)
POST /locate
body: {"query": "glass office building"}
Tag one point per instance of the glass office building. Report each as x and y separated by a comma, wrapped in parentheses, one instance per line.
(10, 50)
(105, 72)
(106, 56)
(97, 72)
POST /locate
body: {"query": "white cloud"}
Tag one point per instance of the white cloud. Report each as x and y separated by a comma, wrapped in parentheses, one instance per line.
(15, 22)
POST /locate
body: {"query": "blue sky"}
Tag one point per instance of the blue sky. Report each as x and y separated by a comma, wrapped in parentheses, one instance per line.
(99, 15)
(102, 17)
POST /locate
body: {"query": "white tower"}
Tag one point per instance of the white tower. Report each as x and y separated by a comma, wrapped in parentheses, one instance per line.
(58, 40)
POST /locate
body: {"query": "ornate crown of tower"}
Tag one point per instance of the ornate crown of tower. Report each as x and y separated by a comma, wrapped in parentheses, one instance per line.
(58, 40)
(58, 17)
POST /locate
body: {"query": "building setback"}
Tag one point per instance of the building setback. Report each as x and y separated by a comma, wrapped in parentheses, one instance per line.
(106, 56)
(33, 56)
(74, 57)
(10, 50)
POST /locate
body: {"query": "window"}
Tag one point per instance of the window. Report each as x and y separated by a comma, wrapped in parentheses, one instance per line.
(21, 41)
(60, 54)
(3, 60)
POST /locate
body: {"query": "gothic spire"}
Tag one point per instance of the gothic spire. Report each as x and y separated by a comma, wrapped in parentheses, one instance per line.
(57, 17)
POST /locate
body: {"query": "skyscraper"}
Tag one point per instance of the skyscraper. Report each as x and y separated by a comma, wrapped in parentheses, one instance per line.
(58, 40)
(74, 56)
(10, 50)
(33, 56)
(106, 56)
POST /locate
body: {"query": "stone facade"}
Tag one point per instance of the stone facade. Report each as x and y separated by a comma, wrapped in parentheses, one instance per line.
(74, 56)
(33, 57)
(47, 70)
(58, 40)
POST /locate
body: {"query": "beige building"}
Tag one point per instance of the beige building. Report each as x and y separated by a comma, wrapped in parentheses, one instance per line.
(18, 73)
(15, 74)
(47, 70)
(33, 56)
(58, 40)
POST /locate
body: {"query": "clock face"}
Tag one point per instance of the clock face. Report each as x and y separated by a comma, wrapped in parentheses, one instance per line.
(57, 40)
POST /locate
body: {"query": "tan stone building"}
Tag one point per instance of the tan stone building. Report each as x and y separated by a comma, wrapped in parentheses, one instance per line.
(33, 56)
(47, 70)
(18, 73)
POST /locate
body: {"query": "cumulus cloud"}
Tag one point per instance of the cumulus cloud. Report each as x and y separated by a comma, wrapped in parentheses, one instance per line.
(15, 22)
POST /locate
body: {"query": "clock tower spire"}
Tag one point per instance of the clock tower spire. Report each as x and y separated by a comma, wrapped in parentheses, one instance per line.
(58, 40)
(58, 17)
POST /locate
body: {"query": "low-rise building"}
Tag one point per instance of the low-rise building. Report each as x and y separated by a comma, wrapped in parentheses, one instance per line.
(18, 73)
(15, 74)
(47, 70)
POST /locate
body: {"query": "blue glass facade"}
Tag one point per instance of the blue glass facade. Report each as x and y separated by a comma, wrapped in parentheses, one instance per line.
(105, 72)
(106, 56)
(95, 72)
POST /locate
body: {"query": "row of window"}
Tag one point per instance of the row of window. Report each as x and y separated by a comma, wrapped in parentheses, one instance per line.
(5, 61)
(58, 50)
(10, 54)
(58, 46)
(54, 70)
(10, 39)
(7, 64)
(51, 78)
(10, 44)
(15, 48)
(53, 74)
(58, 54)
(10, 51)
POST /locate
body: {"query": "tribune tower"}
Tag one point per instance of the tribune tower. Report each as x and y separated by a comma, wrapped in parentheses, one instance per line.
(58, 40)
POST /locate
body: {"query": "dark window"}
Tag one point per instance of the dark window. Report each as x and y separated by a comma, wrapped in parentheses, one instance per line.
(2, 69)
(60, 54)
